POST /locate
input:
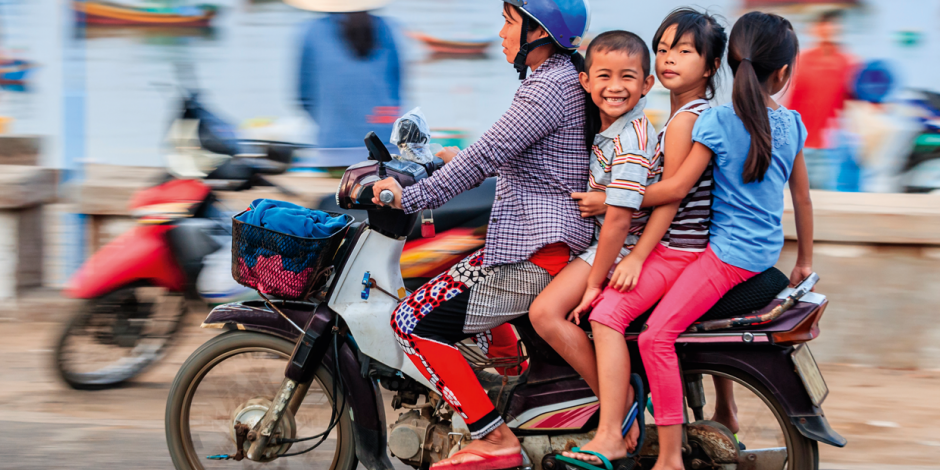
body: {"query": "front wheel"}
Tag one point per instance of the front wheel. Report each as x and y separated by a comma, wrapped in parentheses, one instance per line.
(115, 337)
(233, 376)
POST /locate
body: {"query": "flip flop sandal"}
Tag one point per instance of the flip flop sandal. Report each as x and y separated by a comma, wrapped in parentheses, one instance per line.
(489, 462)
(585, 465)
(639, 396)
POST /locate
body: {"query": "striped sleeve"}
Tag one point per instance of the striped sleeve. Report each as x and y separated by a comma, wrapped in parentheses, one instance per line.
(631, 166)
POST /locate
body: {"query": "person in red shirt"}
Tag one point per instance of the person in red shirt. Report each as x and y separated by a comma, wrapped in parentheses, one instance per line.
(818, 91)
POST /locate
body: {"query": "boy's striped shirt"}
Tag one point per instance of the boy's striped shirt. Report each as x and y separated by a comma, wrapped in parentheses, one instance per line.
(624, 164)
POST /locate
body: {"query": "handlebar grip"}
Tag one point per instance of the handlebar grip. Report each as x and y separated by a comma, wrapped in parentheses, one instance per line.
(386, 196)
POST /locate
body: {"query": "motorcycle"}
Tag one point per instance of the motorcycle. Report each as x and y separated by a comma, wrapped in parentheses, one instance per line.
(136, 288)
(300, 381)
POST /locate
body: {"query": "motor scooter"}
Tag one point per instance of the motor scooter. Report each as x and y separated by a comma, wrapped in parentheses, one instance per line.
(297, 382)
(135, 289)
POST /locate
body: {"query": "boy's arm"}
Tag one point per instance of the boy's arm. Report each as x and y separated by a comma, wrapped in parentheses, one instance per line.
(803, 211)
(678, 141)
(676, 188)
(628, 175)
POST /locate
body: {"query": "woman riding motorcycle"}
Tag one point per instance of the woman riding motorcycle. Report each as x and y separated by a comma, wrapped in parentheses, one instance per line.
(537, 149)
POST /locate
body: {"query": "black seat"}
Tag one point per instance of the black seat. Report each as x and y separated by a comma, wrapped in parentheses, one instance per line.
(753, 294)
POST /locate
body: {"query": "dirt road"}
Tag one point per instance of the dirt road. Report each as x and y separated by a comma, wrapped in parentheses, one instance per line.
(890, 417)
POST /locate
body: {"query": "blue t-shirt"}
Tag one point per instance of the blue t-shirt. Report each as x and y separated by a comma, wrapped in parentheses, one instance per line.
(746, 230)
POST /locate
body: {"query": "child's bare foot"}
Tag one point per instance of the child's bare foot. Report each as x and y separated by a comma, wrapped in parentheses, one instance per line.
(608, 444)
(632, 437)
(727, 417)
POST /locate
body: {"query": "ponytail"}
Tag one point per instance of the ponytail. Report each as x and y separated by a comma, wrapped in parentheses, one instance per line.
(760, 44)
(748, 100)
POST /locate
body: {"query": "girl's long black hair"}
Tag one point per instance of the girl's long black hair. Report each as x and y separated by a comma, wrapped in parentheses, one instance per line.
(760, 44)
(708, 37)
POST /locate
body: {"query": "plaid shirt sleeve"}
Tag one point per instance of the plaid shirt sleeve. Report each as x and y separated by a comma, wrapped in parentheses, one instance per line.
(536, 111)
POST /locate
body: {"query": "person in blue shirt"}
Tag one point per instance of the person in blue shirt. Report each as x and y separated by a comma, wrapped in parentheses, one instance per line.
(349, 76)
(756, 146)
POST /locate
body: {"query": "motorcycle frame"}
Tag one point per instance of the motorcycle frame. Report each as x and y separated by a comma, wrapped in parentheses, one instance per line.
(350, 306)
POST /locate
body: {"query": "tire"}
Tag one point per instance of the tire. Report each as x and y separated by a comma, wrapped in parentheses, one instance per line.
(127, 367)
(802, 452)
(200, 364)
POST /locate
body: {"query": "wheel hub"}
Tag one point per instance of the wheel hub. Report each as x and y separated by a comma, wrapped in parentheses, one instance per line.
(250, 413)
(713, 445)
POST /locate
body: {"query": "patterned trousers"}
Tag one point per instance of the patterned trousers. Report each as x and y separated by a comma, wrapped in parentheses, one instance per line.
(467, 301)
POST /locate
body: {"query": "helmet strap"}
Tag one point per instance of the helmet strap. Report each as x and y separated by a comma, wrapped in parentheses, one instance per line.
(525, 47)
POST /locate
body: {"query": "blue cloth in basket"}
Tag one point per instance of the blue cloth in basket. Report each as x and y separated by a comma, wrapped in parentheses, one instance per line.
(289, 219)
(292, 219)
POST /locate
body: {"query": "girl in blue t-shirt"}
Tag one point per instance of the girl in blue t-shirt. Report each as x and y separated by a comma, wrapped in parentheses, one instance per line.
(756, 146)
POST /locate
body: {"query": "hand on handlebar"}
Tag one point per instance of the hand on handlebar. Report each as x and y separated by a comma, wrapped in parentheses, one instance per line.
(388, 184)
(448, 154)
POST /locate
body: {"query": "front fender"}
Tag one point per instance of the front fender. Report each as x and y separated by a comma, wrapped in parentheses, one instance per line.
(141, 253)
(362, 393)
(771, 366)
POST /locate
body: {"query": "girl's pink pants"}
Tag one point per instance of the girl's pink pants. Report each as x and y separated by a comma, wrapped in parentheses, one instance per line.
(692, 285)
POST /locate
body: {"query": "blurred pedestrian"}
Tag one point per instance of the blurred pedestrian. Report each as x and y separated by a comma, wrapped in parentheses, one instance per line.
(349, 76)
(818, 92)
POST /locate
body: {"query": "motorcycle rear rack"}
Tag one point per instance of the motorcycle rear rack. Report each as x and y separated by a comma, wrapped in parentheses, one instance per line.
(479, 361)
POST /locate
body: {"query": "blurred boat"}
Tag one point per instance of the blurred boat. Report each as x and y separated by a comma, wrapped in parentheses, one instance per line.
(447, 46)
(106, 13)
(14, 71)
(151, 34)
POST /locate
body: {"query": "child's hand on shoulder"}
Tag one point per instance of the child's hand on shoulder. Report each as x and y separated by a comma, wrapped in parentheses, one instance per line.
(591, 203)
(627, 273)
(587, 301)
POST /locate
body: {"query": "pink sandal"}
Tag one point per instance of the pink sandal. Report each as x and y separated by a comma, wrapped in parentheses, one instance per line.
(489, 462)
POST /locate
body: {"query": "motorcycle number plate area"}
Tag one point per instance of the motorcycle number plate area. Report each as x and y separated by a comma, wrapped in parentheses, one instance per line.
(809, 373)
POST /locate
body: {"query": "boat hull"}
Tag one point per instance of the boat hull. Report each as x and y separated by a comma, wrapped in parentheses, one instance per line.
(102, 14)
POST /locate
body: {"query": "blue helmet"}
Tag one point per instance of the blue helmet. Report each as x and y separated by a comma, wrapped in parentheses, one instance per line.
(565, 21)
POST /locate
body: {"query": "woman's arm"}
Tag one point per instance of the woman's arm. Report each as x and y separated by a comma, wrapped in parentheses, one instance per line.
(677, 187)
(535, 113)
(678, 142)
(803, 210)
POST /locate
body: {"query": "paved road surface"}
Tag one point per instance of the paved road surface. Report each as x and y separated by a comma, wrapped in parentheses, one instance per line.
(890, 417)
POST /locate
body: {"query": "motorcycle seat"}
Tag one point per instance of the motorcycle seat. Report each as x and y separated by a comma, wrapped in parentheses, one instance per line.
(754, 294)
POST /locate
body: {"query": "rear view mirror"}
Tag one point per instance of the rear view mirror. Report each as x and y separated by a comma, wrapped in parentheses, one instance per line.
(377, 150)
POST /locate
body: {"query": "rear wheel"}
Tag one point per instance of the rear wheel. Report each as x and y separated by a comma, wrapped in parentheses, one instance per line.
(113, 338)
(234, 376)
(763, 426)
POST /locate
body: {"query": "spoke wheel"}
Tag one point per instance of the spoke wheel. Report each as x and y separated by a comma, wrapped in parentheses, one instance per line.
(223, 380)
(115, 337)
(771, 441)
